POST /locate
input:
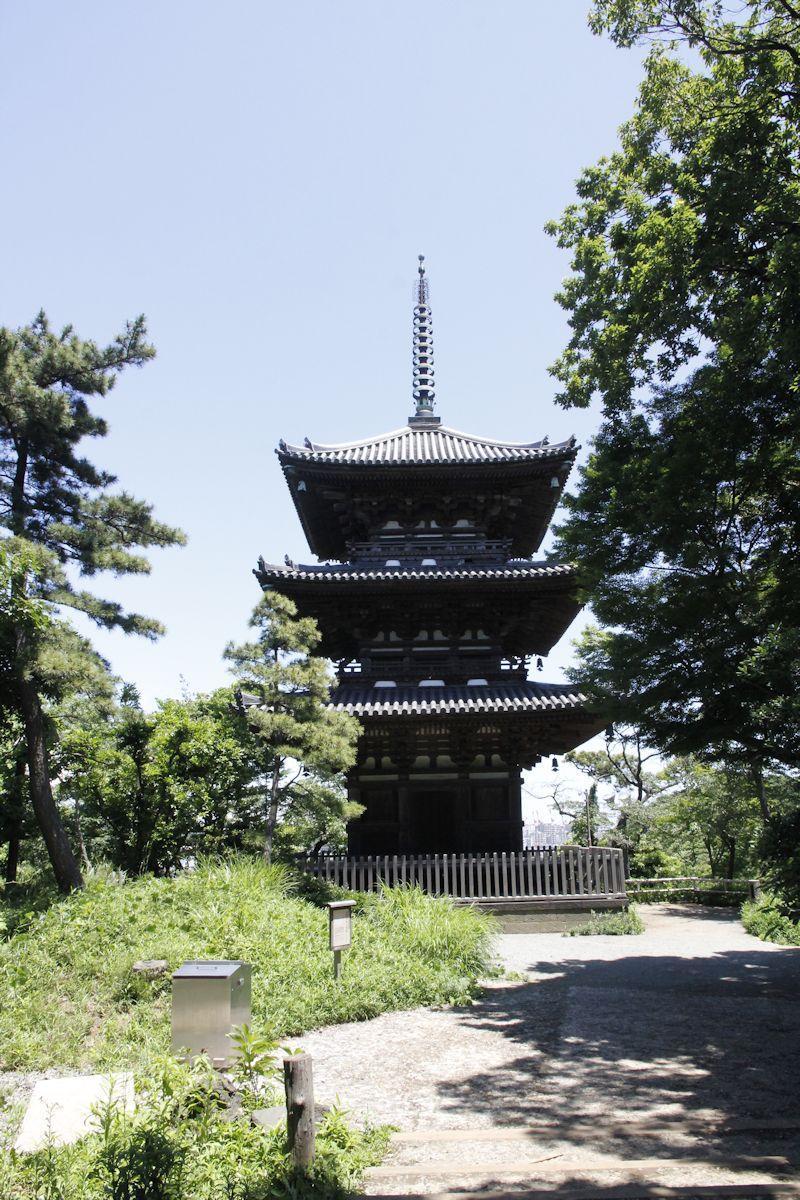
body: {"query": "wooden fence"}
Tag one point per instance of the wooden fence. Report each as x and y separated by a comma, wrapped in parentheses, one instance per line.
(694, 887)
(552, 872)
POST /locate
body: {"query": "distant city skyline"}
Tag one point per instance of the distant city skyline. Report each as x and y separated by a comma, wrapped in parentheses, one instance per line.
(544, 833)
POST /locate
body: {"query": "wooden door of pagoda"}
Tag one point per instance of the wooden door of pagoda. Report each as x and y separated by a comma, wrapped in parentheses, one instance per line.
(434, 820)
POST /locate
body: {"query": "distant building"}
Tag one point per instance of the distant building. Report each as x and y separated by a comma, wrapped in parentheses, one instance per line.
(544, 833)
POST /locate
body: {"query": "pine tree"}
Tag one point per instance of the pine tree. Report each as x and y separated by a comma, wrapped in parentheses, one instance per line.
(64, 519)
(302, 745)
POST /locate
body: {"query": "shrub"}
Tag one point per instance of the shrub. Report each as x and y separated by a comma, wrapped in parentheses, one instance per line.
(766, 919)
(614, 924)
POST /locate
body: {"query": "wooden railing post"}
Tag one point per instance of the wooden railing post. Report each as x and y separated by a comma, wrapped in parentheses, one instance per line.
(298, 1081)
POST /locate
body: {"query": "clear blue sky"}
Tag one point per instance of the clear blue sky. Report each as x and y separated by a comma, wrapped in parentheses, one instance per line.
(258, 178)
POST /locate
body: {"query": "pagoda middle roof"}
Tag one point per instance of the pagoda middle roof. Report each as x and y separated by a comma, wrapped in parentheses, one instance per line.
(408, 699)
(424, 444)
(270, 573)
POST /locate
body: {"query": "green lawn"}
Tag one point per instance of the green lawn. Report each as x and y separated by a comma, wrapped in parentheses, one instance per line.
(69, 998)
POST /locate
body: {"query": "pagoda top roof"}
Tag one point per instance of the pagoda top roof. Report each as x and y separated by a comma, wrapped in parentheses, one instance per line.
(425, 442)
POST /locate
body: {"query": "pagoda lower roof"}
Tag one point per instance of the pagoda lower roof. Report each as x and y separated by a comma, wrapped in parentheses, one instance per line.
(422, 445)
(270, 575)
(455, 699)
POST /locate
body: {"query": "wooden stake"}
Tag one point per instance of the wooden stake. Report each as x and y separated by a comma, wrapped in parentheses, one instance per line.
(299, 1083)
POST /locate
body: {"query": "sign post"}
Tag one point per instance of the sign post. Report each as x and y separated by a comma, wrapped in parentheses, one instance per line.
(340, 929)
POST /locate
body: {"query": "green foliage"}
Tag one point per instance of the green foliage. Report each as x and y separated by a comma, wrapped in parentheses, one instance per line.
(408, 949)
(302, 746)
(766, 918)
(630, 771)
(711, 820)
(52, 654)
(156, 789)
(614, 924)
(180, 1145)
(20, 902)
(255, 1058)
(683, 308)
(780, 841)
(651, 860)
(584, 817)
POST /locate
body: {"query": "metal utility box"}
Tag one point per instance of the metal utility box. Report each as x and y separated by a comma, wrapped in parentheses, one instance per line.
(208, 999)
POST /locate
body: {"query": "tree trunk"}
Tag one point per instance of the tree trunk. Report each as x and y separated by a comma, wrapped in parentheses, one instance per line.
(15, 834)
(65, 865)
(589, 838)
(87, 866)
(758, 779)
(272, 812)
(12, 857)
(731, 859)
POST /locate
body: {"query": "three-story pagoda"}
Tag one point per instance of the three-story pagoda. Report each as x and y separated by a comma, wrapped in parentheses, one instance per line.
(429, 602)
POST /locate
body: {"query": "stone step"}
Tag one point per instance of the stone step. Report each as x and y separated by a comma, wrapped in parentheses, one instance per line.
(592, 1129)
(635, 1190)
(541, 1141)
(553, 1173)
(558, 1164)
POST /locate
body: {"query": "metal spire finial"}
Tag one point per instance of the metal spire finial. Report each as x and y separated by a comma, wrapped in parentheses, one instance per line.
(424, 391)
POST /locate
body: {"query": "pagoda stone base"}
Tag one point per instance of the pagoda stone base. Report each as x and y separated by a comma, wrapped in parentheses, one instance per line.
(436, 812)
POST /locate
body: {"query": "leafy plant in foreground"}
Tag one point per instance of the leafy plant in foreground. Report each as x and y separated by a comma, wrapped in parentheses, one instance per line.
(766, 918)
(171, 1148)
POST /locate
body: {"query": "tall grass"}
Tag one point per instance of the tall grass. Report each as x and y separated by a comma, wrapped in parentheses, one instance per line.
(69, 996)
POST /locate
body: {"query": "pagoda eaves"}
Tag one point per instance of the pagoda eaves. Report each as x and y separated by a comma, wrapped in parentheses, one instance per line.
(525, 607)
(343, 492)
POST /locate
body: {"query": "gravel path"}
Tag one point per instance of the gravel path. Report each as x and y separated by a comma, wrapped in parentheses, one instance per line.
(693, 1017)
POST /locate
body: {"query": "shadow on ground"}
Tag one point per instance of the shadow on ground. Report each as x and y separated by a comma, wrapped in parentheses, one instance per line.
(712, 1037)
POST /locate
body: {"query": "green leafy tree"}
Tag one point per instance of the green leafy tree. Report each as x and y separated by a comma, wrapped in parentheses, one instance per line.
(712, 819)
(302, 745)
(634, 776)
(156, 790)
(685, 318)
(64, 519)
(314, 815)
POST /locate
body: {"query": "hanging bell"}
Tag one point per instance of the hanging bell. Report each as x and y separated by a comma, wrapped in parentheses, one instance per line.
(555, 763)
(539, 665)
